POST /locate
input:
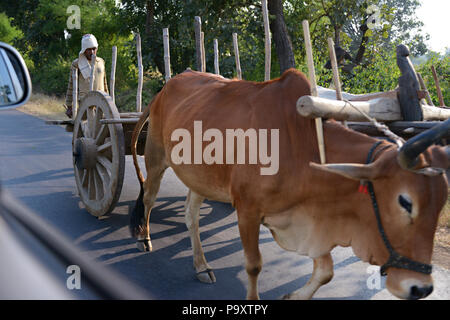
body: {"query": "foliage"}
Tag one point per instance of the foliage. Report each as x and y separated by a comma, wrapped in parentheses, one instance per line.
(38, 28)
(8, 33)
(54, 77)
(442, 66)
(379, 74)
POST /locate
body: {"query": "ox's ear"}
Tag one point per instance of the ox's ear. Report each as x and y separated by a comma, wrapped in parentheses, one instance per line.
(354, 171)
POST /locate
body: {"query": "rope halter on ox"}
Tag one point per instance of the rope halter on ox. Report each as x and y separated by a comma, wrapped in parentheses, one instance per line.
(395, 259)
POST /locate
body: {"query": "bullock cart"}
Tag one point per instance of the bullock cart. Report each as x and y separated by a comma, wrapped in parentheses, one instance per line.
(101, 140)
(102, 135)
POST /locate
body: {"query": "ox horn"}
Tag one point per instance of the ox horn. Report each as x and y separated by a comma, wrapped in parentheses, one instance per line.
(408, 154)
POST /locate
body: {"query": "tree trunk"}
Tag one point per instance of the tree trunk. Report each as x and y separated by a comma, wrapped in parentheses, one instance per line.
(337, 35)
(362, 46)
(280, 36)
(151, 36)
(149, 16)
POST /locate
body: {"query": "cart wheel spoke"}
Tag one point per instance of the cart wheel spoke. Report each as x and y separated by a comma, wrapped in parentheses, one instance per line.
(84, 177)
(103, 132)
(91, 187)
(90, 122)
(106, 163)
(104, 176)
(97, 124)
(84, 130)
(99, 190)
(104, 146)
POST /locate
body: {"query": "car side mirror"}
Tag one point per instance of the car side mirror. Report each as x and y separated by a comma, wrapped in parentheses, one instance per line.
(15, 83)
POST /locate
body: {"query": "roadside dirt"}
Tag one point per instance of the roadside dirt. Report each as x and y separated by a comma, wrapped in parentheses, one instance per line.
(441, 252)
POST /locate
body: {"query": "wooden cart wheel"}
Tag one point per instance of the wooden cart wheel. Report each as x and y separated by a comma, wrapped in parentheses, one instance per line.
(98, 153)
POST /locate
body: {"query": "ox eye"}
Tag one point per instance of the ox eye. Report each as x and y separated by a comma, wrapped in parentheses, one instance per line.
(405, 202)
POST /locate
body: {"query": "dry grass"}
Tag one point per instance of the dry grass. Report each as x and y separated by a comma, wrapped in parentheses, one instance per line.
(45, 107)
(443, 230)
(444, 219)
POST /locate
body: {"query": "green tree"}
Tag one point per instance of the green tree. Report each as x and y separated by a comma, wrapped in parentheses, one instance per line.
(442, 66)
(8, 33)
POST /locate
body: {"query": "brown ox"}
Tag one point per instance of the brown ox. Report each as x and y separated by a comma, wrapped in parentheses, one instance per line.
(308, 209)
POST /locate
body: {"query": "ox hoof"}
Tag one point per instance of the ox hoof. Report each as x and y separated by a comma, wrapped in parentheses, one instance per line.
(206, 276)
(287, 297)
(295, 296)
(144, 245)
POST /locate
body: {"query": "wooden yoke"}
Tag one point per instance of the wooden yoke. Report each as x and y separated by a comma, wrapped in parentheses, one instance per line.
(408, 87)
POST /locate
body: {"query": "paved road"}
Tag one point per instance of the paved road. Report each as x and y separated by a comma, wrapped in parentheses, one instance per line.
(36, 167)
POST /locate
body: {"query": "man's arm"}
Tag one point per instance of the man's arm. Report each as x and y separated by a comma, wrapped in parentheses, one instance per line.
(105, 81)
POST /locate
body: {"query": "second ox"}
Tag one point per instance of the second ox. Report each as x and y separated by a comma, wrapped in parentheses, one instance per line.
(309, 208)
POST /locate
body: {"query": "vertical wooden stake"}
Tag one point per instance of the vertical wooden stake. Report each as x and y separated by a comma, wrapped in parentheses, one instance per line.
(91, 111)
(438, 87)
(336, 80)
(424, 88)
(267, 40)
(140, 74)
(75, 94)
(310, 60)
(112, 82)
(91, 83)
(236, 55)
(198, 42)
(216, 57)
(312, 80)
(334, 66)
(202, 37)
(168, 74)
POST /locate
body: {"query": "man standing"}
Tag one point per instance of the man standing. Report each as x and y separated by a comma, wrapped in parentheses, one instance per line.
(89, 48)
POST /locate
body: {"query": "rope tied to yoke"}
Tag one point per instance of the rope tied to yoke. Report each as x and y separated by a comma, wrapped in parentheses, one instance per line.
(379, 126)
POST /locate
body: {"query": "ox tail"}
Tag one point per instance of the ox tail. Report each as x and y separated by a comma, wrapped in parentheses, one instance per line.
(137, 214)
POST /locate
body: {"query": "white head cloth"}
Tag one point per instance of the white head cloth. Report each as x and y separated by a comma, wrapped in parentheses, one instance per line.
(88, 41)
